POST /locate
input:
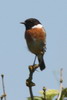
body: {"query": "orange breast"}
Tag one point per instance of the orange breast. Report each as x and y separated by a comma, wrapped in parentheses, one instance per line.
(36, 39)
(36, 33)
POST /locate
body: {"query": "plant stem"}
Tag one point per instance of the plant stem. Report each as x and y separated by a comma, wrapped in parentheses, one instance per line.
(61, 86)
(29, 82)
(31, 93)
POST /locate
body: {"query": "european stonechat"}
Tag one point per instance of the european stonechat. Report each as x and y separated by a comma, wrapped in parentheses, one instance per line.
(35, 36)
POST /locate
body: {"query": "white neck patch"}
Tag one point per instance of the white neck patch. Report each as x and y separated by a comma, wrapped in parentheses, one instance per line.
(37, 26)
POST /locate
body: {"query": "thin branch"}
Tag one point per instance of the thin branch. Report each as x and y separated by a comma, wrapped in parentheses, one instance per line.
(61, 86)
(31, 93)
(29, 82)
(4, 94)
(44, 93)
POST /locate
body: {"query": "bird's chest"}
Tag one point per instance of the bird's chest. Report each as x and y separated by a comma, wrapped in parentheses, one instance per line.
(34, 35)
(35, 40)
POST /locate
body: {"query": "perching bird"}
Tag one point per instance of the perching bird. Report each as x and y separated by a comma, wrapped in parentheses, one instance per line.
(35, 36)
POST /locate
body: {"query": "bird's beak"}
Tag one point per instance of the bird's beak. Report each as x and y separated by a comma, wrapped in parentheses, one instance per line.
(22, 23)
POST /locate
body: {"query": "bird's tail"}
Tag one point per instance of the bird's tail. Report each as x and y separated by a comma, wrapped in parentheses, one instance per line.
(41, 62)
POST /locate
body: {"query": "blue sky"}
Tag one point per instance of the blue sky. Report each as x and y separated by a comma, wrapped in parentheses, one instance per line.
(14, 55)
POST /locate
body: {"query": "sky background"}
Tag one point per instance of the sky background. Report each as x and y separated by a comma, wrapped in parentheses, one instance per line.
(14, 55)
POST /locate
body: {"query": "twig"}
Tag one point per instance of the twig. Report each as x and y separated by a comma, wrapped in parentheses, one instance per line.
(31, 93)
(61, 87)
(29, 82)
(4, 94)
(44, 93)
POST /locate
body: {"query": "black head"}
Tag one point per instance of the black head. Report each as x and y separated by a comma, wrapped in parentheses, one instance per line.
(29, 23)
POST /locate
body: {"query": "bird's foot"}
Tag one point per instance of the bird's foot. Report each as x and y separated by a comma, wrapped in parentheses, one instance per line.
(32, 68)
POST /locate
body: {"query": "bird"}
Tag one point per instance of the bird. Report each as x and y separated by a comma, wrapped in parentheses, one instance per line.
(35, 36)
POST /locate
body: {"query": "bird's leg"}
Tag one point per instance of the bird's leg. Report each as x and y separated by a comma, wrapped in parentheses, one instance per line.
(34, 61)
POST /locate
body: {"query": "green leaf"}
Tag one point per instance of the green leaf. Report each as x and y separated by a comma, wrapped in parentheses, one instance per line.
(50, 93)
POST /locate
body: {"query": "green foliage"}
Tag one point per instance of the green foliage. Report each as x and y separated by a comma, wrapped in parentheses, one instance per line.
(63, 94)
(50, 94)
(35, 98)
